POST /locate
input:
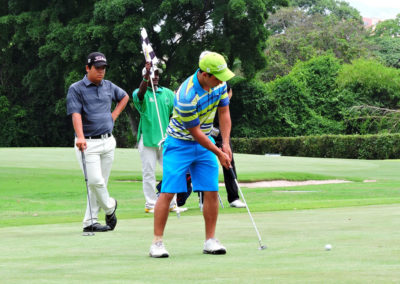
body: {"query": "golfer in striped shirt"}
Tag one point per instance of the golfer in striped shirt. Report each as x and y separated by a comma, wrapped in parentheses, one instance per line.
(189, 146)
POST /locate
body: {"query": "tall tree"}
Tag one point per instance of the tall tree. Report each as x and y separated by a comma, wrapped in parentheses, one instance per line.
(389, 27)
(388, 49)
(44, 44)
(304, 102)
(340, 9)
(386, 40)
(234, 28)
(300, 36)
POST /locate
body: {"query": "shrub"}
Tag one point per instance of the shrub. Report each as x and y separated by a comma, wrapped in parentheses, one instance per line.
(385, 146)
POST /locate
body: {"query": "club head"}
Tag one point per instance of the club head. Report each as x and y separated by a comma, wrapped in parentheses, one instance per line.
(88, 234)
(262, 247)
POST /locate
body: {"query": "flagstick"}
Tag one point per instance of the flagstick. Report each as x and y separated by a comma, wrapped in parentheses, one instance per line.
(148, 58)
(158, 113)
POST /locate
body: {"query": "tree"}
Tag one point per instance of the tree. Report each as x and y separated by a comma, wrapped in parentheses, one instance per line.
(234, 28)
(300, 36)
(307, 101)
(375, 89)
(341, 9)
(251, 109)
(371, 83)
(304, 102)
(386, 41)
(44, 44)
(389, 28)
(388, 49)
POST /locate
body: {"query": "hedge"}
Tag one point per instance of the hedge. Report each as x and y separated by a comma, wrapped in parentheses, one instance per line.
(383, 146)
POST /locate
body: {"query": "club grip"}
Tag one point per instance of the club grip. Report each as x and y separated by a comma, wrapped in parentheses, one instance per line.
(84, 165)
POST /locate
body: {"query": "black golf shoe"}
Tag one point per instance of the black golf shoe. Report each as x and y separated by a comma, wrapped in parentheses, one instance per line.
(97, 227)
(111, 220)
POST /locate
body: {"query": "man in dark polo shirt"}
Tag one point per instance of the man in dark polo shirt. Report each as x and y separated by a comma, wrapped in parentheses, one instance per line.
(89, 103)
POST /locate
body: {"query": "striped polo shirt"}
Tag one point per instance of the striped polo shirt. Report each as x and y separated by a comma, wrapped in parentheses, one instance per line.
(195, 106)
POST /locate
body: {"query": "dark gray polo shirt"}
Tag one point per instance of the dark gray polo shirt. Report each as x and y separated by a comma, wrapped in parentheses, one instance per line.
(94, 104)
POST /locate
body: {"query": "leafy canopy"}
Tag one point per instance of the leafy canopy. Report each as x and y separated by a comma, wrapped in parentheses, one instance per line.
(44, 44)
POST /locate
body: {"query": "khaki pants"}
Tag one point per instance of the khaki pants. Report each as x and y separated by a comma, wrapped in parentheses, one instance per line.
(99, 157)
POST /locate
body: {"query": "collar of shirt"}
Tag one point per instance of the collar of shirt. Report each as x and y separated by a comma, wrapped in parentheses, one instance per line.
(159, 89)
(197, 87)
(88, 82)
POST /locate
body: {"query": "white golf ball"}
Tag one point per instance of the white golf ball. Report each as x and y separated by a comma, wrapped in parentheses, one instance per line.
(328, 247)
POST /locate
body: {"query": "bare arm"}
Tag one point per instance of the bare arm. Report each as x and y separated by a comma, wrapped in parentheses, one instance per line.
(230, 93)
(225, 128)
(143, 85)
(203, 140)
(120, 107)
(77, 123)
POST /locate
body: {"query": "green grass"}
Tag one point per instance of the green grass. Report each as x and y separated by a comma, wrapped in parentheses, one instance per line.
(43, 198)
(364, 239)
(46, 186)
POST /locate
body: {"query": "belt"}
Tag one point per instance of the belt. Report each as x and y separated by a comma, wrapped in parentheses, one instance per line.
(102, 136)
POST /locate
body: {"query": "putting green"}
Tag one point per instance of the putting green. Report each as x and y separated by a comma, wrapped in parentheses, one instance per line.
(43, 198)
(365, 243)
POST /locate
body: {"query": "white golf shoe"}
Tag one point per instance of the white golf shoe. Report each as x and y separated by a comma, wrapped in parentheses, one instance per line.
(213, 246)
(237, 204)
(158, 250)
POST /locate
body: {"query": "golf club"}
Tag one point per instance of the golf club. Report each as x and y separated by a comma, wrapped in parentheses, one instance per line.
(201, 201)
(178, 213)
(262, 247)
(87, 191)
(220, 201)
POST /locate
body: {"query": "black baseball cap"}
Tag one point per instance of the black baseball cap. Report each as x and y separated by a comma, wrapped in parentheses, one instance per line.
(97, 59)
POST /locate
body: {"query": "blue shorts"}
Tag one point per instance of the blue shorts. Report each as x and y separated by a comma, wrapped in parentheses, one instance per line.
(181, 156)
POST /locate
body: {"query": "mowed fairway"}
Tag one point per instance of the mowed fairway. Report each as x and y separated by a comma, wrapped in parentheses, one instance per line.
(43, 200)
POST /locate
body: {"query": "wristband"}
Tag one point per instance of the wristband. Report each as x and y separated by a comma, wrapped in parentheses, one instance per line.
(145, 80)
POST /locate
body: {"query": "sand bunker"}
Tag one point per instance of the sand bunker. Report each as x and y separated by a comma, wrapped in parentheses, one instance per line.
(286, 183)
(279, 183)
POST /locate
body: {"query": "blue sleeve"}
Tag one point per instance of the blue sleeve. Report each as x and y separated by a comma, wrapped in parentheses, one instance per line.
(224, 101)
(74, 101)
(118, 93)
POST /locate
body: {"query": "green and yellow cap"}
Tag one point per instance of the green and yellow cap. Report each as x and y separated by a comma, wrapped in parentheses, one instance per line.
(214, 63)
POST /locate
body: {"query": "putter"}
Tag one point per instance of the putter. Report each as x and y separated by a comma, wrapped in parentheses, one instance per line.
(87, 191)
(262, 247)
(178, 213)
(220, 201)
(201, 201)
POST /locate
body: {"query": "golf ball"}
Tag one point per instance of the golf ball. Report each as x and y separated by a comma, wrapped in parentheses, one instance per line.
(328, 247)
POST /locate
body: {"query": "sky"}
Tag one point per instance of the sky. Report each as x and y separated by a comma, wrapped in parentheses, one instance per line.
(381, 9)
